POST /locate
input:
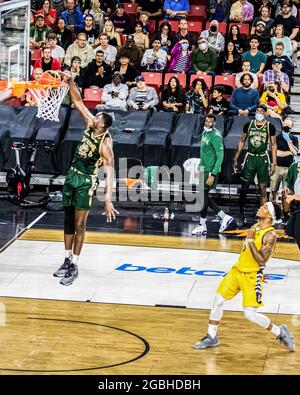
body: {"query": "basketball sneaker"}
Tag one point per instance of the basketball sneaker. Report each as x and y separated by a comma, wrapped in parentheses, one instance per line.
(207, 342)
(226, 221)
(63, 269)
(286, 338)
(200, 230)
(71, 275)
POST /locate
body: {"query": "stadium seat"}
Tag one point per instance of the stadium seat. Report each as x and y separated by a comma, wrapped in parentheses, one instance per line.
(197, 11)
(207, 78)
(180, 76)
(123, 38)
(130, 8)
(92, 97)
(153, 79)
(152, 24)
(222, 27)
(194, 26)
(174, 25)
(227, 79)
(34, 55)
(244, 28)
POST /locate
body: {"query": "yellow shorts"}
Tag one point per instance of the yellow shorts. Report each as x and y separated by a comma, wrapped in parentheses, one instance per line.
(250, 284)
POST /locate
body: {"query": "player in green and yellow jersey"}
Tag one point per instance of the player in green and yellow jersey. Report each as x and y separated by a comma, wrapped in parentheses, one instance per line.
(246, 276)
(94, 150)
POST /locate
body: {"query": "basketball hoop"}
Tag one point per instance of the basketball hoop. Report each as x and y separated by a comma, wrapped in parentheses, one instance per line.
(48, 94)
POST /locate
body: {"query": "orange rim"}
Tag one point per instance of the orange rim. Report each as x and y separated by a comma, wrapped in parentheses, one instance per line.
(19, 88)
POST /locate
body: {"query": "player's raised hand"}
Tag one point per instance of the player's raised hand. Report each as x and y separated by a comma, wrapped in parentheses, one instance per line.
(110, 211)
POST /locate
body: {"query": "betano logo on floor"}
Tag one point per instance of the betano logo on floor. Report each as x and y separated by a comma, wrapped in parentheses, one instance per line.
(188, 271)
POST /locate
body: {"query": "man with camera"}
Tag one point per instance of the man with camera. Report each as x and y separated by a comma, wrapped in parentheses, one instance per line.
(142, 97)
(114, 94)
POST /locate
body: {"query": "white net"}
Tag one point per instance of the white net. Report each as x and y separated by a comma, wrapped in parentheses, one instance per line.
(49, 100)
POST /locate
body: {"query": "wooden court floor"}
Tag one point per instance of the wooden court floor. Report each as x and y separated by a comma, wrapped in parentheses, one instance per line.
(62, 337)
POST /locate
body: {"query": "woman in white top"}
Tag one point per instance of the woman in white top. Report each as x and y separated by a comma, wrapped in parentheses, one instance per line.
(279, 36)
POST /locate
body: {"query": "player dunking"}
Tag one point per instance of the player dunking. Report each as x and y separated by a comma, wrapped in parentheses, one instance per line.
(247, 276)
(94, 150)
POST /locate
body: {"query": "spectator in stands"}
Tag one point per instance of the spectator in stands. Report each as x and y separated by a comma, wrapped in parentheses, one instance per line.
(273, 99)
(180, 57)
(46, 61)
(173, 98)
(110, 52)
(56, 50)
(258, 4)
(142, 97)
(265, 12)
(218, 105)
(197, 98)
(287, 150)
(58, 5)
(214, 38)
(166, 37)
(291, 26)
(114, 38)
(49, 13)
(89, 30)
(183, 33)
(176, 9)
(246, 69)
(154, 59)
(153, 8)
(287, 65)
(260, 134)
(97, 14)
(114, 94)
(141, 40)
(292, 191)
(241, 11)
(132, 51)
(77, 72)
(84, 5)
(204, 59)
(38, 32)
(80, 48)
(108, 6)
(128, 72)
(280, 4)
(219, 10)
(235, 36)
(73, 17)
(279, 37)
(231, 60)
(144, 19)
(244, 100)
(277, 75)
(36, 76)
(121, 20)
(98, 73)
(257, 58)
(265, 44)
(64, 36)
(212, 156)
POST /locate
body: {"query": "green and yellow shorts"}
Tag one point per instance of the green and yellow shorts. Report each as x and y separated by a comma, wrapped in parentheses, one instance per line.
(256, 165)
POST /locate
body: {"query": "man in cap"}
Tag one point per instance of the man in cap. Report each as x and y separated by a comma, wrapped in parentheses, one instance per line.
(142, 97)
(134, 54)
(265, 44)
(114, 95)
(38, 32)
(277, 75)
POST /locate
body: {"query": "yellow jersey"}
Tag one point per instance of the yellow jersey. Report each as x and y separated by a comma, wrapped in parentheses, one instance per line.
(246, 262)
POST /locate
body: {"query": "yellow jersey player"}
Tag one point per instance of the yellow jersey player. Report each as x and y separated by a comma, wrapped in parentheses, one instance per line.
(247, 276)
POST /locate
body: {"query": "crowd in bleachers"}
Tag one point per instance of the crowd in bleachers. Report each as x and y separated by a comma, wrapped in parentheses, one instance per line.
(216, 57)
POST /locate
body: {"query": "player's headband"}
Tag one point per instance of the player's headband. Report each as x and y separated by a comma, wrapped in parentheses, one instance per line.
(271, 209)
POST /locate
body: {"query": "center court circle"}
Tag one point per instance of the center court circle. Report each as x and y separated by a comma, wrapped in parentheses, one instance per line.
(57, 345)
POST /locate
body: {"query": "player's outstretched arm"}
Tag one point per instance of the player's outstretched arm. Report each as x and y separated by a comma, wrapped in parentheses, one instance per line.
(264, 254)
(76, 98)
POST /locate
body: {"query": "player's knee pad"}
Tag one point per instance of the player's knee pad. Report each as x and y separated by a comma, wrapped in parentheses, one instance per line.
(69, 224)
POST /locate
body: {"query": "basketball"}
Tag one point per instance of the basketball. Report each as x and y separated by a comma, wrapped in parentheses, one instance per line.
(50, 77)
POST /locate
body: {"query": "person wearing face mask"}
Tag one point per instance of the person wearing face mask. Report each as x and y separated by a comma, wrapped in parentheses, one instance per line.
(204, 59)
(212, 156)
(214, 38)
(292, 192)
(259, 133)
(287, 149)
(180, 57)
(244, 100)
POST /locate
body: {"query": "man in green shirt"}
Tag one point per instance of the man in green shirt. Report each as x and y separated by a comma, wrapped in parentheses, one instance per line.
(204, 59)
(212, 155)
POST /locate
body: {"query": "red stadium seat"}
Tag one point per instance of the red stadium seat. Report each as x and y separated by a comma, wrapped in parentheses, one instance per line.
(153, 79)
(180, 76)
(92, 97)
(226, 79)
(130, 8)
(244, 27)
(123, 39)
(222, 27)
(207, 78)
(174, 25)
(197, 11)
(195, 26)
(152, 24)
(34, 55)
